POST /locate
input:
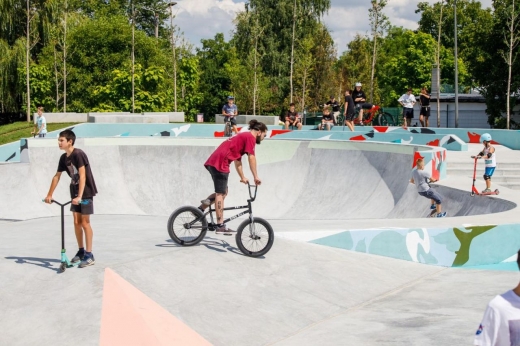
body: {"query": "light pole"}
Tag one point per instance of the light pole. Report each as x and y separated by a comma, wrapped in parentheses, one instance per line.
(133, 58)
(456, 68)
(170, 5)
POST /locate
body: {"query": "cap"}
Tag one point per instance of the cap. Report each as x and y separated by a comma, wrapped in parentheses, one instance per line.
(358, 84)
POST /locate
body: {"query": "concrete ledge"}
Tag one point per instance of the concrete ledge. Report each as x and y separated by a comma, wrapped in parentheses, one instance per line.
(71, 117)
(108, 118)
(173, 117)
(245, 119)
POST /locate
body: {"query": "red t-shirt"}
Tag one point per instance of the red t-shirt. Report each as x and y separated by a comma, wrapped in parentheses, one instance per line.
(231, 150)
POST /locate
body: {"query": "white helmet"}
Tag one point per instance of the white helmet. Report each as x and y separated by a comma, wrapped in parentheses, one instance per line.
(358, 84)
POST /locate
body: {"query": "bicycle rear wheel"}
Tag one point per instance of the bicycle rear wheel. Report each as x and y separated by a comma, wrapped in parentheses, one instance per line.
(386, 119)
(255, 239)
(187, 226)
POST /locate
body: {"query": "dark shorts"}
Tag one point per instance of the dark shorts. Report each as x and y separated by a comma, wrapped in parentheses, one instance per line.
(351, 117)
(41, 135)
(408, 113)
(233, 120)
(431, 194)
(220, 179)
(425, 111)
(84, 209)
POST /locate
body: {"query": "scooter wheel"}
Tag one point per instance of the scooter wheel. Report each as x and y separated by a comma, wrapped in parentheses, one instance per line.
(63, 266)
(472, 194)
(497, 192)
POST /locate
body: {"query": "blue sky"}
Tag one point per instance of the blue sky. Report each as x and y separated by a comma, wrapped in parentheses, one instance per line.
(200, 19)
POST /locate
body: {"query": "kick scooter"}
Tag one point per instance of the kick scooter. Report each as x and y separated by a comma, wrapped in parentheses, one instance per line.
(65, 262)
(474, 190)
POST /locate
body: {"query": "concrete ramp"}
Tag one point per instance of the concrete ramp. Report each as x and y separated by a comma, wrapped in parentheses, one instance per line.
(302, 180)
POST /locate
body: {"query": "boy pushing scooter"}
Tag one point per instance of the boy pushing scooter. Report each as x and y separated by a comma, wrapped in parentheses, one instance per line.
(488, 153)
(82, 191)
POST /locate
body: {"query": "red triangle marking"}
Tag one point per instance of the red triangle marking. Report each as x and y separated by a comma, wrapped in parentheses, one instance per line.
(129, 317)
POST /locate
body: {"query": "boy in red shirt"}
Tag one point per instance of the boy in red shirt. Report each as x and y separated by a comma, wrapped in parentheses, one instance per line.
(218, 166)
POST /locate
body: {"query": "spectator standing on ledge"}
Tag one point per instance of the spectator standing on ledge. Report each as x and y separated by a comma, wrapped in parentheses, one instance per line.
(359, 98)
(350, 111)
(424, 99)
(40, 127)
(407, 101)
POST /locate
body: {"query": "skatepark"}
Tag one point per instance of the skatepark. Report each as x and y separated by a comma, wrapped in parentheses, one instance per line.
(355, 261)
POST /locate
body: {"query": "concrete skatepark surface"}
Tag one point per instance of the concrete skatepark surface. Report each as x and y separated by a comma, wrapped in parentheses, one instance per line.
(298, 294)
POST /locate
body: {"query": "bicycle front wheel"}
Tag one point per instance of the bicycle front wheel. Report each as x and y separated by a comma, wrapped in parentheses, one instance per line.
(255, 239)
(187, 226)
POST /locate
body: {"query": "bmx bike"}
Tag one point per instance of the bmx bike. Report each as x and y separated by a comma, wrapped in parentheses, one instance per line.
(228, 127)
(187, 226)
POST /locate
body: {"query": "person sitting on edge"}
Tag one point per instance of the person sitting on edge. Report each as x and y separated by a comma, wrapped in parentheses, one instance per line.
(421, 179)
(292, 118)
(327, 122)
(230, 111)
(335, 107)
(350, 110)
(501, 322)
(407, 101)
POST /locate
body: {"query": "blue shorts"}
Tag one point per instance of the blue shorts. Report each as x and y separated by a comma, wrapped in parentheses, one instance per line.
(431, 194)
(489, 171)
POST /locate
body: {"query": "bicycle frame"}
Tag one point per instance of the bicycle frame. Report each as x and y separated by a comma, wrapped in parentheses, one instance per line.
(249, 207)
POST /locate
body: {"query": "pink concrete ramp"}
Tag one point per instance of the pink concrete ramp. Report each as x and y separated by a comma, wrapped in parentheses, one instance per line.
(129, 317)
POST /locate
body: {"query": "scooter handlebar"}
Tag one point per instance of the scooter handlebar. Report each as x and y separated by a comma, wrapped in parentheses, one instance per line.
(83, 201)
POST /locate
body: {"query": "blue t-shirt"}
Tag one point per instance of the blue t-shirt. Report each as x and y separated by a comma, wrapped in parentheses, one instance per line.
(230, 110)
(41, 121)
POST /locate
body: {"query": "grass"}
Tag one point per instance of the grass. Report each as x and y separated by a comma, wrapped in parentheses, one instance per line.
(16, 131)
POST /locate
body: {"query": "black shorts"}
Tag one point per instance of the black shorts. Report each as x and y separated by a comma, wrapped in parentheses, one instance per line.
(84, 209)
(351, 117)
(220, 179)
(233, 120)
(408, 113)
(425, 111)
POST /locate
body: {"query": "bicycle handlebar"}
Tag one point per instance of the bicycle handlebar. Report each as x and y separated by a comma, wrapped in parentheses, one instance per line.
(253, 197)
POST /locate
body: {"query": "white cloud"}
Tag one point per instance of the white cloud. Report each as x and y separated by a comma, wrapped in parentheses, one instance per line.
(202, 19)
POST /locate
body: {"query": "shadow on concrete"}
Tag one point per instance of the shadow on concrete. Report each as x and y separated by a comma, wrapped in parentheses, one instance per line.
(40, 262)
(215, 244)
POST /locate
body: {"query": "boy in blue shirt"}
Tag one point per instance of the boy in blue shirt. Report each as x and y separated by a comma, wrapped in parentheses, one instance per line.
(229, 111)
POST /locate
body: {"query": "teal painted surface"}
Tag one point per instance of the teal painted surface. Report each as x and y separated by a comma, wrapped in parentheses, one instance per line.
(473, 247)
(508, 266)
(10, 152)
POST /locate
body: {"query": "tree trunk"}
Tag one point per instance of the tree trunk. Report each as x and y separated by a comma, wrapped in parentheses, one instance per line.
(292, 50)
(512, 40)
(27, 51)
(56, 79)
(373, 69)
(438, 61)
(65, 61)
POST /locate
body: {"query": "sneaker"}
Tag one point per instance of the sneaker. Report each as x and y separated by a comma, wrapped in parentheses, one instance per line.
(206, 202)
(79, 256)
(433, 206)
(88, 260)
(443, 214)
(224, 230)
(486, 191)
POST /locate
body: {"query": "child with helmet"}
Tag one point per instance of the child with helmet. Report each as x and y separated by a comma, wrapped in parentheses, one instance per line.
(488, 153)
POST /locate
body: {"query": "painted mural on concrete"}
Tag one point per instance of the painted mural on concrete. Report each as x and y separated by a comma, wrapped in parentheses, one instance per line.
(444, 246)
